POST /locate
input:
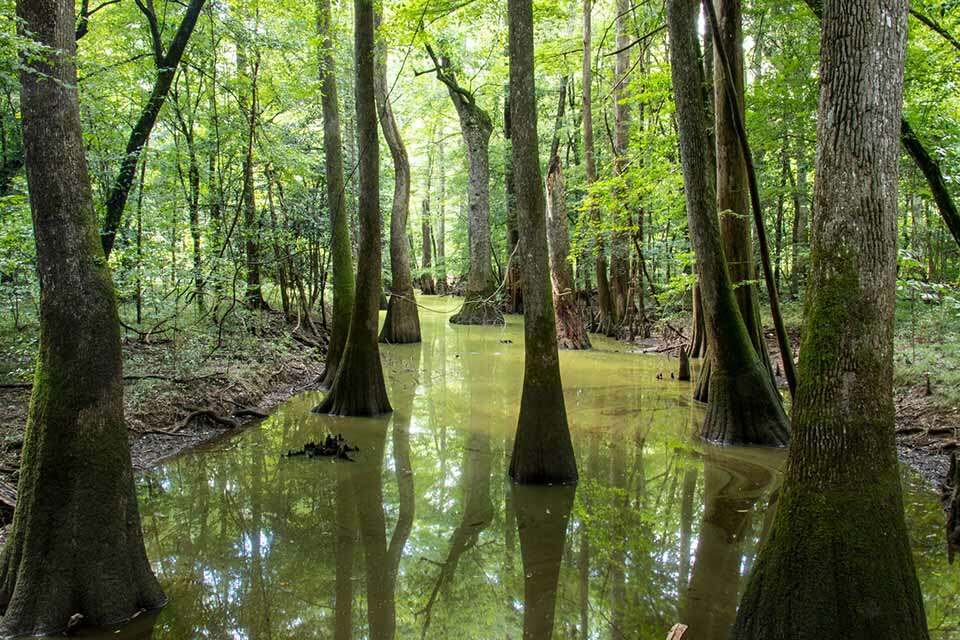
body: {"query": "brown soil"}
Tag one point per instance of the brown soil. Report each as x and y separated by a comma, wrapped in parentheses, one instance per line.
(170, 411)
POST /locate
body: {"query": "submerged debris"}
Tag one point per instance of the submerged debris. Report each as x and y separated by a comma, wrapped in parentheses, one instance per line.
(331, 447)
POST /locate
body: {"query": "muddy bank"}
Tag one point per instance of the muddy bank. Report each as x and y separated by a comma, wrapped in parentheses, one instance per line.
(183, 391)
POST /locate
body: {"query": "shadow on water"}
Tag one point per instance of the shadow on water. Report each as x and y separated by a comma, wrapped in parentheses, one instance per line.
(423, 536)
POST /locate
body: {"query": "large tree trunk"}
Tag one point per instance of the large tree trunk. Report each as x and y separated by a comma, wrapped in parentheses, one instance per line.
(542, 450)
(341, 255)
(733, 195)
(744, 405)
(75, 546)
(571, 333)
(358, 389)
(600, 259)
(479, 305)
(839, 555)
(402, 323)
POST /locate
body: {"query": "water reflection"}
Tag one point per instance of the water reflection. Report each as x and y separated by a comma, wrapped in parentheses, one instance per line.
(424, 537)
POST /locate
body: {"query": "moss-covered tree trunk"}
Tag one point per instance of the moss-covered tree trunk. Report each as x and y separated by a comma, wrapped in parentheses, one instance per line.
(402, 323)
(479, 305)
(75, 546)
(542, 450)
(838, 561)
(590, 166)
(359, 389)
(733, 195)
(744, 405)
(341, 256)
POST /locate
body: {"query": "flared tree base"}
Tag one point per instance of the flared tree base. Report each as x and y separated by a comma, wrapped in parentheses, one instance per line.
(745, 409)
(478, 310)
(571, 334)
(358, 389)
(542, 449)
(837, 565)
(402, 324)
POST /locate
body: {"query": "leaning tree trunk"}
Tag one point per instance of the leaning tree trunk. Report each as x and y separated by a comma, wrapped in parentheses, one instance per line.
(542, 450)
(341, 256)
(359, 389)
(600, 260)
(75, 546)
(402, 322)
(480, 304)
(838, 557)
(744, 405)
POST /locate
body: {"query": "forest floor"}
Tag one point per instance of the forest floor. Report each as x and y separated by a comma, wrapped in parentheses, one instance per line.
(926, 389)
(184, 389)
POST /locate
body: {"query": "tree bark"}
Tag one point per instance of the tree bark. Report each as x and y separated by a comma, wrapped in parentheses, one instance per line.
(571, 333)
(622, 217)
(542, 450)
(839, 554)
(402, 322)
(514, 285)
(75, 545)
(479, 306)
(359, 389)
(744, 405)
(341, 252)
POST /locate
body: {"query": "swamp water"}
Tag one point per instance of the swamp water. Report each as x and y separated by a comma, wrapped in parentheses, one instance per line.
(423, 536)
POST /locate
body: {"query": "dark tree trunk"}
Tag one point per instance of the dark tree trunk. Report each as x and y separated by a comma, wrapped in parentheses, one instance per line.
(402, 322)
(542, 450)
(543, 514)
(358, 389)
(480, 305)
(744, 405)
(839, 557)
(427, 285)
(166, 64)
(75, 546)
(600, 258)
(250, 71)
(341, 256)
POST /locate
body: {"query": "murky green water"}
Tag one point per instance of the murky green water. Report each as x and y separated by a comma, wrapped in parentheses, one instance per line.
(424, 536)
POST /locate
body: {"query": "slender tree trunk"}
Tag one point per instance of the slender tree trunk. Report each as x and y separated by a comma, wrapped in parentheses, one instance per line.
(571, 334)
(480, 305)
(542, 450)
(402, 322)
(249, 71)
(514, 280)
(427, 285)
(744, 405)
(839, 554)
(341, 252)
(600, 258)
(359, 389)
(441, 253)
(166, 64)
(75, 546)
(279, 260)
(623, 219)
